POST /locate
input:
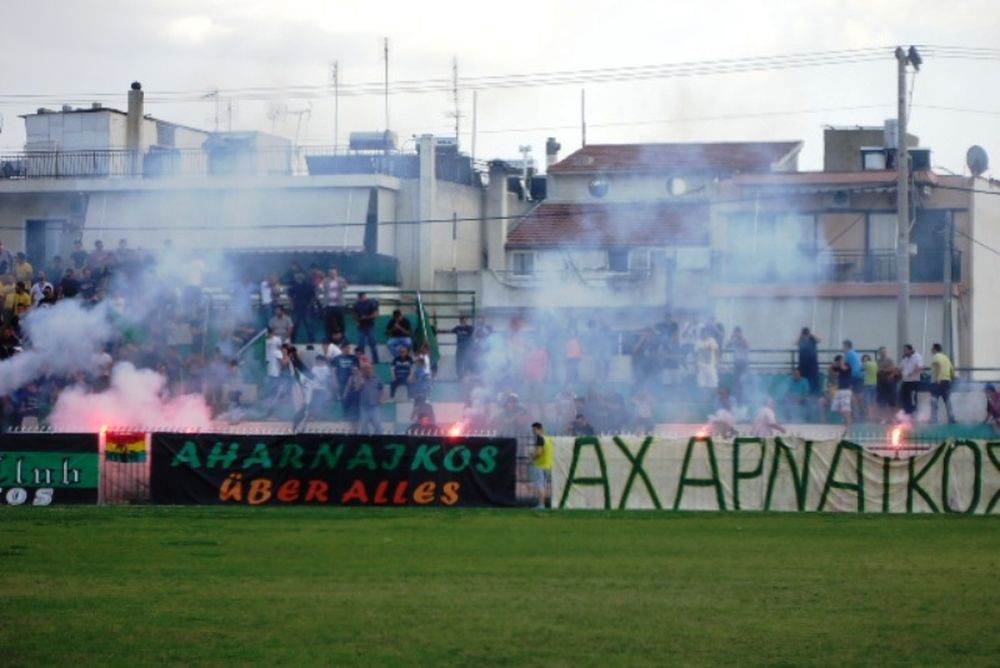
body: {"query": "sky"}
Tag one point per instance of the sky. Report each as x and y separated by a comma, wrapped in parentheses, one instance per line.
(182, 50)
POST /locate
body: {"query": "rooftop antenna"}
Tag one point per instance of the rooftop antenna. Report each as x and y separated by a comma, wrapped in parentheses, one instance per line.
(335, 79)
(454, 97)
(385, 50)
(583, 117)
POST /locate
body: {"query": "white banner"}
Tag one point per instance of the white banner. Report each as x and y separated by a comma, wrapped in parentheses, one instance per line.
(637, 472)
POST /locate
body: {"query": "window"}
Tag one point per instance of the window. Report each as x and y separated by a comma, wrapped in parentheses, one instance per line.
(523, 263)
(881, 231)
(873, 160)
(618, 259)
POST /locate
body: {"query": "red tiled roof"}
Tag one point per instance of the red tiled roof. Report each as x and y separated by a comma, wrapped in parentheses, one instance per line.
(600, 225)
(715, 158)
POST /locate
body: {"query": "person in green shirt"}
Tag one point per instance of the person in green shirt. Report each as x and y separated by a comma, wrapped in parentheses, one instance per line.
(869, 368)
(797, 394)
(942, 373)
(541, 465)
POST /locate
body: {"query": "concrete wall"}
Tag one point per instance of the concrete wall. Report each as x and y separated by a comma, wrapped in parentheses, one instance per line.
(623, 187)
(230, 218)
(982, 318)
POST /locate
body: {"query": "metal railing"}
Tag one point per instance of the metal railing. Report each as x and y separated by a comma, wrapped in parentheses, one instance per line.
(160, 162)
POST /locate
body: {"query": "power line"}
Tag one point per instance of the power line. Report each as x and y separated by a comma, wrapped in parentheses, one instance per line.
(554, 78)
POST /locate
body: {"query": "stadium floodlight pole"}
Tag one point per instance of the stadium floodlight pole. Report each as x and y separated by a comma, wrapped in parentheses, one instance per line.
(903, 58)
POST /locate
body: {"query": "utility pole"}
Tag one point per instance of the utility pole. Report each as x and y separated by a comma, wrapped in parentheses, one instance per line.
(903, 220)
(949, 230)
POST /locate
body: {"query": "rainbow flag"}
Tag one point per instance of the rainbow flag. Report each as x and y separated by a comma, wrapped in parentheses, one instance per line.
(126, 447)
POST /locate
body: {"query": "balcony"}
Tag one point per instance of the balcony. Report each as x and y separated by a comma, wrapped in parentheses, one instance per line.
(227, 160)
(798, 267)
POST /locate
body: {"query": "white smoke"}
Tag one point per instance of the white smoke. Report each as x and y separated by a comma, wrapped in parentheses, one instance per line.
(134, 399)
(64, 339)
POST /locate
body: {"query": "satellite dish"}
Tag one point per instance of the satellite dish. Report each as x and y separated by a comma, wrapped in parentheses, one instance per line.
(977, 160)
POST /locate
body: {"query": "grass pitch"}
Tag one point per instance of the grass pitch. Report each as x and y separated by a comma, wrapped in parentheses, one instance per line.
(290, 586)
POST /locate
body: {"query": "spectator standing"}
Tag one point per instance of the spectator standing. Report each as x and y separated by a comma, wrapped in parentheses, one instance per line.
(797, 397)
(574, 355)
(369, 401)
(581, 426)
(842, 399)
(910, 368)
(23, 271)
(886, 379)
(332, 293)
(741, 359)
(942, 374)
(870, 368)
(281, 324)
(707, 356)
(853, 360)
(366, 312)
(78, 258)
(398, 333)
(402, 369)
(343, 366)
(69, 286)
(267, 297)
(273, 358)
(38, 288)
(808, 345)
(6, 260)
(992, 406)
(302, 294)
(463, 345)
(542, 459)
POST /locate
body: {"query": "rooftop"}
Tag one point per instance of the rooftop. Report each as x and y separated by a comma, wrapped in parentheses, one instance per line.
(722, 158)
(600, 225)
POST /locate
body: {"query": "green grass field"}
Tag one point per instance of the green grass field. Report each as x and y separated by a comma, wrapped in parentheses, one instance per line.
(286, 586)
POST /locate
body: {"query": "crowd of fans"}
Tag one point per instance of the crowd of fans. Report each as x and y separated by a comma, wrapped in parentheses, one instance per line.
(509, 379)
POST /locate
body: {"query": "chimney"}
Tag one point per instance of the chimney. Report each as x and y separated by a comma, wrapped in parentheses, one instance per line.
(551, 152)
(133, 122)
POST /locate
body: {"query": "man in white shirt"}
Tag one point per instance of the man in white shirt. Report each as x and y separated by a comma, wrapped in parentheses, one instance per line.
(765, 422)
(38, 288)
(911, 365)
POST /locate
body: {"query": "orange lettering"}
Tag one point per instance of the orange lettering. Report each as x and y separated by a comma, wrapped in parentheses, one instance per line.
(289, 491)
(399, 498)
(380, 496)
(424, 493)
(232, 488)
(357, 491)
(260, 491)
(318, 491)
(450, 495)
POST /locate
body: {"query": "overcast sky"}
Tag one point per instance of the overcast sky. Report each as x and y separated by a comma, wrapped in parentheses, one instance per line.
(81, 51)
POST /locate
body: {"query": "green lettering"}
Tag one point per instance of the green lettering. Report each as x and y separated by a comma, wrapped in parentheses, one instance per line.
(977, 483)
(222, 456)
(738, 474)
(423, 458)
(259, 457)
(637, 471)
(913, 482)
(800, 482)
(990, 447)
(487, 459)
(449, 459)
(398, 450)
(188, 455)
(326, 455)
(714, 481)
(363, 457)
(291, 454)
(602, 480)
(832, 482)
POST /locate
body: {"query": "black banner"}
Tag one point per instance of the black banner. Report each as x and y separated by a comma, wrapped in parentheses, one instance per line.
(333, 469)
(45, 469)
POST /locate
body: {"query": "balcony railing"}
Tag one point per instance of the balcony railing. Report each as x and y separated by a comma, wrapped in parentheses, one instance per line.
(831, 267)
(158, 163)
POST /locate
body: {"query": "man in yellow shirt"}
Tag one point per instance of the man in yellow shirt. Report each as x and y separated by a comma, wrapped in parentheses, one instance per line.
(541, 465)
(943, 372)
(23, 270)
